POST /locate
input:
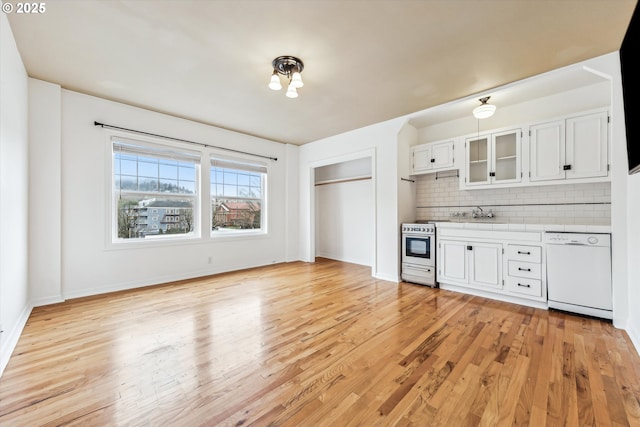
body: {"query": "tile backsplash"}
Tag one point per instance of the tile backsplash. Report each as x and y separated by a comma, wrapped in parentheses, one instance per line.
(583, 204)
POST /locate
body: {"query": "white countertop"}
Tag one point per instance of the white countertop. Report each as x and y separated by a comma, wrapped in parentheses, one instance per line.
(525, 227)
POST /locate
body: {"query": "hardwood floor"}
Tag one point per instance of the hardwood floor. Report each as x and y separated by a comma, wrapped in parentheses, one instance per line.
(320, 344)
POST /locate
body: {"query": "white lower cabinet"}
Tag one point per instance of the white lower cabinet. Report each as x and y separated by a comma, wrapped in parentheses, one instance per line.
(524, 270)
(502, 265)
(477, 264)
(452, 261)
(520, 285)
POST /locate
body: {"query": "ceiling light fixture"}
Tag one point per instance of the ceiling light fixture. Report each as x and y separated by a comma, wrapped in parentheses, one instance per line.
(290, 67)
(484, 110)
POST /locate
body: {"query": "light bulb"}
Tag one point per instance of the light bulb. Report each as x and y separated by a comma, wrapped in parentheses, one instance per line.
(296, 80)
(291, 91)
(274, 84)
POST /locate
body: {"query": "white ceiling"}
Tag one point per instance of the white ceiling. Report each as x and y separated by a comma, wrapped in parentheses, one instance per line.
(365, 61)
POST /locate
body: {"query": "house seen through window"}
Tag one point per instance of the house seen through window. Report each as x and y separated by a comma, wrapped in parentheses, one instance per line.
(154, 187)
(237, 196)
(156, 193)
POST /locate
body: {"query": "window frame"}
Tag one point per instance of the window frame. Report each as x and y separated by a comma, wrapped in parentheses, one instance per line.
(257, 166)
(202, 199)
(114, 193)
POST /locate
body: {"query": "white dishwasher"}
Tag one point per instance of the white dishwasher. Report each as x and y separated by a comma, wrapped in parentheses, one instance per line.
(579, 273)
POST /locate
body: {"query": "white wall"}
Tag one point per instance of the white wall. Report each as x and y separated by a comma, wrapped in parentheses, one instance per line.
(621, 221)
(292, 202)
(380, 142)
(406, 184)
(89, 264)
(625, 223)
(344, 221)
(14, 194)
(45, 193)
(633, 256)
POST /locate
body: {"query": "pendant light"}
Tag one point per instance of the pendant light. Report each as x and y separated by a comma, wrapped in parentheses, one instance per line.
(484, 110)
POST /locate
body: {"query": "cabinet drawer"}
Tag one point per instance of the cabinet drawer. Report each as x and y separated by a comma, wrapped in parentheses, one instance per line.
(524, 253)
(525, 269)
(521, 285)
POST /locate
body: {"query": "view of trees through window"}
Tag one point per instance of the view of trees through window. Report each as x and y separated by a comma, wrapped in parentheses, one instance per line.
(156, 192)
(155, 189)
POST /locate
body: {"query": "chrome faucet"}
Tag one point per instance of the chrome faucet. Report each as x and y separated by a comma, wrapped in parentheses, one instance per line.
(479, 213)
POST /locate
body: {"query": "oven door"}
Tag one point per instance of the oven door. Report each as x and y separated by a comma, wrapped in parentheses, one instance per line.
(419, 249)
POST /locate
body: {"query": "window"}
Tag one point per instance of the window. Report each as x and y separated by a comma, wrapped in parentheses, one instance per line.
(148, 182)
(237, 196)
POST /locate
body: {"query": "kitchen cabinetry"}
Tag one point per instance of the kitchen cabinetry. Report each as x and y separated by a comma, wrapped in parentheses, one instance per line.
(432, 157)
(493, 263)
(494, 158)
(524, 270)
(573, 148)
(477, 264)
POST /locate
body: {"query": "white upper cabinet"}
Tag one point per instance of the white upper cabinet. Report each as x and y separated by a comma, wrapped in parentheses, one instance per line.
(587, 146)
(478, 155)
(506, 156)
(547, 145)
(574, 148)
(432, 157)
(570, 148)
(494, 158)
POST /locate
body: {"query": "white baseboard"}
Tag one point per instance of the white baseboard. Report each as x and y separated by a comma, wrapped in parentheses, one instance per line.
(11, 340)
(634, 334)
(124, 286)
(386, 277)
(47, 301)
(339, 257)
(495, 296)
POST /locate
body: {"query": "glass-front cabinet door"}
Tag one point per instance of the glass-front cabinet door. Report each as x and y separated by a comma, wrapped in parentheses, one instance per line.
(494, 158)
(506, 157)
(478, 155)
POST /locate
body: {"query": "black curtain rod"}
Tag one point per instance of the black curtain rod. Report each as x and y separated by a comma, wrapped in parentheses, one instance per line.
(181, 140)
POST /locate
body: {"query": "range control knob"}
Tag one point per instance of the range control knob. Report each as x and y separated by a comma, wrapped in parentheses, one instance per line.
(592, 240)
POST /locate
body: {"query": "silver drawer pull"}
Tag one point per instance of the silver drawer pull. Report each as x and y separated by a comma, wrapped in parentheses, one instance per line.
(524, 253)
(523, 269)
(524, 286)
